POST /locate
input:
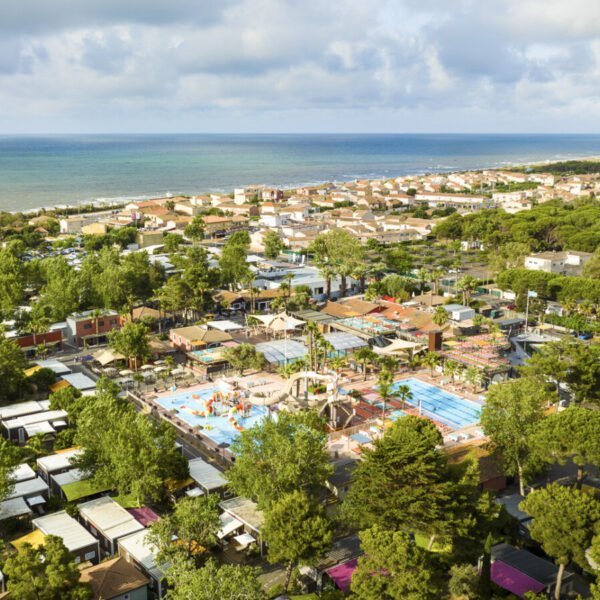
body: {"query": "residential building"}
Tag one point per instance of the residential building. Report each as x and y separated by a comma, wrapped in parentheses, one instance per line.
(194, 337)
(91, 327)
(560, 263)
(116, 579)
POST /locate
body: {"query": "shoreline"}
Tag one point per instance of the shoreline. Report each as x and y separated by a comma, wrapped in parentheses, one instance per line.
(100, 203)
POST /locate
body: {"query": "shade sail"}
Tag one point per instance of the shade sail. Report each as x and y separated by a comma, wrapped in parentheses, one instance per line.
(105, 357)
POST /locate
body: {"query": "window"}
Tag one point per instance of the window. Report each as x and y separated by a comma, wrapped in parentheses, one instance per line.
(89, 555)
(100, 323)
(87, 325)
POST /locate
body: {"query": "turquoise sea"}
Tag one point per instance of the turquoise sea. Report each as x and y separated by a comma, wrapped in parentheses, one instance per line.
(37, 171)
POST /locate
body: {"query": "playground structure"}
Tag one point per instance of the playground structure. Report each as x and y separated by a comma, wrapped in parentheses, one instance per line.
(334, 403)
(221, 403)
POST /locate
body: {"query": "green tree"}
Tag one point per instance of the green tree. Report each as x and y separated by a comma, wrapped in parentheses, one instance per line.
(244, 356)
(296, 531)
(401, 483)
(45, 573)
(226, 582)
(233, 264)
(273, 244)
(394, 567)
(572, 434)
(12, 367)
(9, 459)
(385, 388)
(440, 316)
(549, 364)
(275, 457)
(466, 285)
(194, 523)
(464, 582)
(172, 242)
(125, 450)
(510, 417)
(131, 341)
(564, 521)
(430, 360)
(195, 229)
(367, 358)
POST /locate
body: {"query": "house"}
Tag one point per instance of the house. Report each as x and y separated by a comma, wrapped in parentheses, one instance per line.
(148, 237)
(91, 327)
(207, 478)
(28, 487)
(215, 226)
(28, 342)
(57, 463)
(351, 307)
(246, 513)
(74, 536)
(560, 263)
(140, 553)
(73, 225)
(194, 337)
(108, 521)
(458, 312)
(519, 571)
(116, 579)
(20, 429)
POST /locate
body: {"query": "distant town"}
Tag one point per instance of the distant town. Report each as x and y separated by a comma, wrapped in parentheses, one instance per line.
(372, 389)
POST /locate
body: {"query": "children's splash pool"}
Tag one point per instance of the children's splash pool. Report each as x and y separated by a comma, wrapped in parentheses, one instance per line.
(222, 415)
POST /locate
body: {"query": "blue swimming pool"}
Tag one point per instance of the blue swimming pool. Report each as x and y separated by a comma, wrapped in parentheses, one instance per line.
(191, 407)
(440, 405)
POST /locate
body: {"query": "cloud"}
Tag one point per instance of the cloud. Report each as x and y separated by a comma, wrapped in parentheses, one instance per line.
(235, 64)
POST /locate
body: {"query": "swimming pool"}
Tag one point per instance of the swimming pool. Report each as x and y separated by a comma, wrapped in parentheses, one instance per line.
(440, 405)
(191, 407)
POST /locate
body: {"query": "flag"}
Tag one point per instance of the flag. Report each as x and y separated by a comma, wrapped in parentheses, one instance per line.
(532, 294)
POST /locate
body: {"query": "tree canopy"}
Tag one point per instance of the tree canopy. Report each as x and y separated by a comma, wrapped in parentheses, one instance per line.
(280, 456)
(510, 417)
(564, 522)
(393, 567)
(47, 572)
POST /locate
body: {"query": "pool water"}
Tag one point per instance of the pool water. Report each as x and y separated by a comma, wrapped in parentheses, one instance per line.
(440, 405)
(218, 428)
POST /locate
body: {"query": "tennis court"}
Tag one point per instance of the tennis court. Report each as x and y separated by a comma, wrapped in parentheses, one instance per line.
(440, 405)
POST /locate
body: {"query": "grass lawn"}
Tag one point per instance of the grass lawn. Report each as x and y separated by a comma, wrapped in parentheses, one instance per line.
(82, 489)
(423, 540)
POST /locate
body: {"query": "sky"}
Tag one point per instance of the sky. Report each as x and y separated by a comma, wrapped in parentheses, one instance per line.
(106, 66)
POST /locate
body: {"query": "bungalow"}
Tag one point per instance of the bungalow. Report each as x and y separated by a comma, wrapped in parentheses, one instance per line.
(20, 429)
(139, 552)
(519, 571)
(74, 536)
(108, 521)
(116, 579)
(251, 519)
(194, 337)
(28, 342)
(57, 463)
(207, 478)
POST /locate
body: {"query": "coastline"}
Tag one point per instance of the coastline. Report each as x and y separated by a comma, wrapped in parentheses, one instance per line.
(106, 203)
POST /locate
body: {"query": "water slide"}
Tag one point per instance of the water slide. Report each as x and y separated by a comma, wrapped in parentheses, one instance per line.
(286, 395)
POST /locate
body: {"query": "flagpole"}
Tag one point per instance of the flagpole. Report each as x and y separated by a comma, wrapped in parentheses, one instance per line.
(527, 312)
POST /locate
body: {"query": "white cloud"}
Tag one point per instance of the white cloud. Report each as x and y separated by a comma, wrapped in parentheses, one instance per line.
(234, 64)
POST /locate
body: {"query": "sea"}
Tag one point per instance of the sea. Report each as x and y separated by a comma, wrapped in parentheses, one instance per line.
(53, 170)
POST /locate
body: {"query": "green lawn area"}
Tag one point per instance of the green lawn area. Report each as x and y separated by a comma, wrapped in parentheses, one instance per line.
(82, 489)
(127, 501)
(423, 540)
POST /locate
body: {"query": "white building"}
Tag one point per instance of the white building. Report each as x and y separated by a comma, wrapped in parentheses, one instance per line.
(560, 263)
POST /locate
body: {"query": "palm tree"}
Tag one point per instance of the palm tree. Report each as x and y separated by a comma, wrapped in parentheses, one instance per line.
(436, 276)
(451, 369)
(338, 363)
(385, 384)
(430, 360)
(404, 393)
(38, 324)
(423, 275)
(440, 316)
(96, 314)
(474, 377)
(466, 285)
(366, 357)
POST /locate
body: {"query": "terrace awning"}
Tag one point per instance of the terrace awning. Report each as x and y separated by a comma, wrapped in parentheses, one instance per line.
(513, 580)
(229, 525)
(398, 346)
(105, 357)
(280, 322)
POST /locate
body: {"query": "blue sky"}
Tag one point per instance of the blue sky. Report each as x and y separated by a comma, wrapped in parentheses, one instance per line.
(300, 65)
